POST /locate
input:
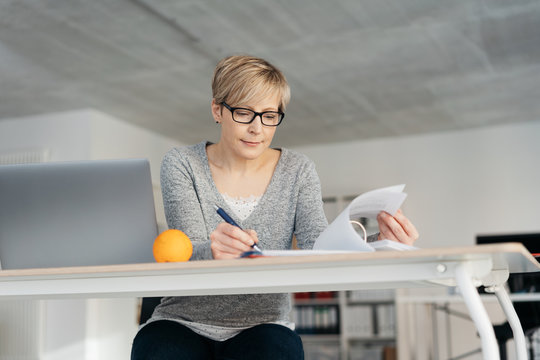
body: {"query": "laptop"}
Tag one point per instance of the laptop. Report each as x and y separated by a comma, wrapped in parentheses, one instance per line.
(76, 214)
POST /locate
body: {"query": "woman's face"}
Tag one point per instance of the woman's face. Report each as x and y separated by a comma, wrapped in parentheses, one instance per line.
(247, 141)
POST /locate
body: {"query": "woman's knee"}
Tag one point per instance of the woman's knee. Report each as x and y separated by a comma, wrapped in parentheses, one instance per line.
(165, 340)
(268, 341)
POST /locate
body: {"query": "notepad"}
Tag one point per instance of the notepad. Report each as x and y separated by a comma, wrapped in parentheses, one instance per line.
(341, 236)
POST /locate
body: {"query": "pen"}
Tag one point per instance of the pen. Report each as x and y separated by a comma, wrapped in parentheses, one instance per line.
(229, 220)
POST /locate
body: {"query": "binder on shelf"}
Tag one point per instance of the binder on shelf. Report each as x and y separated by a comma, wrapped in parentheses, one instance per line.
(316, 319)
(386, 322)
(318, 295)
(359, 321)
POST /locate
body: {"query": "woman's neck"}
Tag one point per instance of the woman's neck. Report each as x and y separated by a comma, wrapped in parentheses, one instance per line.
(224, 159)
(243, 177)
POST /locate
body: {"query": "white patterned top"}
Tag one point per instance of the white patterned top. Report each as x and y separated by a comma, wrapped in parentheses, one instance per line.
(242, 206)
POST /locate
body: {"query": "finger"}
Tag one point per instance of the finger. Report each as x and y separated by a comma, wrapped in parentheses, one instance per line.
(384, 230)
(391, 225)
(220, 255)
(224, 243)
(222, 251)
(238, 234)
(221, 239)
(228, 253)
(406, 224)
(220, 243)
(253, 235)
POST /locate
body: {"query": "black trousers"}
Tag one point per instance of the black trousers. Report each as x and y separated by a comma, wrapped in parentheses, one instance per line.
(168, 340)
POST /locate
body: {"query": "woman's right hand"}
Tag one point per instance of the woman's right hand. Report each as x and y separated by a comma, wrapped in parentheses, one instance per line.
(229, 241)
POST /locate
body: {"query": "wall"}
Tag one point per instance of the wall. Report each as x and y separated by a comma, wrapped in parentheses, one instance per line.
(460, 184)
(63, 135)
(65, 329)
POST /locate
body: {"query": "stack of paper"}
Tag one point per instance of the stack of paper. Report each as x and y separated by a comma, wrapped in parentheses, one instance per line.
(340, 236)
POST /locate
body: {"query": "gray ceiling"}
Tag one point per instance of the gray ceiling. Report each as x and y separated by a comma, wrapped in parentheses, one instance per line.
(358, 69)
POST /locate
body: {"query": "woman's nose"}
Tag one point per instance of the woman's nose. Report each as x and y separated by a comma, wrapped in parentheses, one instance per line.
(256, 125)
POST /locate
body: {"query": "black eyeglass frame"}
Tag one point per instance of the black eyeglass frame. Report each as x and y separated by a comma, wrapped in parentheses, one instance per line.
(255, 114)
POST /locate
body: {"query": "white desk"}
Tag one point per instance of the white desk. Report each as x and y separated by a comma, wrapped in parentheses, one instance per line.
(465, 267)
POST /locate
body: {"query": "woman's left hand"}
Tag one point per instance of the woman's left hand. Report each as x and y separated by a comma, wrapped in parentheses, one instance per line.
(397, 228)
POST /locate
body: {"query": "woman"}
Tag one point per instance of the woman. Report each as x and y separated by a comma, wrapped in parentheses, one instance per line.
(273, 193)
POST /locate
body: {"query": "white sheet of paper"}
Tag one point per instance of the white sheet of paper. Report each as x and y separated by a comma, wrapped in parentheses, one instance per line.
(341, 235)
(302, 252)
(390, 245)
(371, 203)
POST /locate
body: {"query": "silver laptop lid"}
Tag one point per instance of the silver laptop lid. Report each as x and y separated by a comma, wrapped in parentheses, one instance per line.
(76, 214)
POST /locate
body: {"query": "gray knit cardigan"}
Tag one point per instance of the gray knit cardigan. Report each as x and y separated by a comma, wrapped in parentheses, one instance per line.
(291, 205)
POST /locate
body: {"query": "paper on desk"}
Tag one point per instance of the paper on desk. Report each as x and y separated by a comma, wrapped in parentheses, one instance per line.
(341, 235)
(379, 245)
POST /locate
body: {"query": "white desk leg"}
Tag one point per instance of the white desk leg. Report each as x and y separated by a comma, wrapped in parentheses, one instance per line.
(515, 324)
(490, 348)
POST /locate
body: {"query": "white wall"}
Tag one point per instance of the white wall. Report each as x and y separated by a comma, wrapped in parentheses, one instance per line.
(65, 135)
(460, 184)
(84, 135)
(68, 329)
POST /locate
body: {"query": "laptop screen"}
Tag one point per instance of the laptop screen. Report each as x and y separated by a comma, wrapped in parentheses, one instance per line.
(76, 214)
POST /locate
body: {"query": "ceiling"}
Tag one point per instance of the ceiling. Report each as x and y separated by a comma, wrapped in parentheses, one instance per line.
(358, 69)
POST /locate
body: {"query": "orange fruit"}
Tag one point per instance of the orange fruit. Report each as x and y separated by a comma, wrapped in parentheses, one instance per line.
(172, 245)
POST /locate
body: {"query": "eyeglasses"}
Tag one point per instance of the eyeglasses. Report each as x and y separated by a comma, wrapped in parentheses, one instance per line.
(246, 116)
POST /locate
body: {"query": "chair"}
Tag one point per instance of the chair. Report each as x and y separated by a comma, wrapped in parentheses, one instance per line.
(147, 308)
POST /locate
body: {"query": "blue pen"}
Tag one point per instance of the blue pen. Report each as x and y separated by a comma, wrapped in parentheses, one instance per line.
(229, 220)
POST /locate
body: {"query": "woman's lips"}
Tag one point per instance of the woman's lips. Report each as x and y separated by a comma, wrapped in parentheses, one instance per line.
(251, 143)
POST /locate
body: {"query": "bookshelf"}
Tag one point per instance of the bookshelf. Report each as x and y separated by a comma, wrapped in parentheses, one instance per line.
(317, 314)
(347, 325)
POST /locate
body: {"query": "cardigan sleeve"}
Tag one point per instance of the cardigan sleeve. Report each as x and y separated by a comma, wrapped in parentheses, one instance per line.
(310, 219)
(181, 203)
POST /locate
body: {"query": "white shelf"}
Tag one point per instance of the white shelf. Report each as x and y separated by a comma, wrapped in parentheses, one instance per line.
(372, 339)
(316, 302)
(381, 302)
(318, 338)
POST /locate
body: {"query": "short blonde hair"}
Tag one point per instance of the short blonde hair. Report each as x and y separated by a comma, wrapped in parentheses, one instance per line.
(240, 79)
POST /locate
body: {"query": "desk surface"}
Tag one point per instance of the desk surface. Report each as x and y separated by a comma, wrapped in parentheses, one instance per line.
(347, 271)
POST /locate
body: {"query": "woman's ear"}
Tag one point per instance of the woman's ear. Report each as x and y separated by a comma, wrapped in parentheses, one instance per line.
(216, 111)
